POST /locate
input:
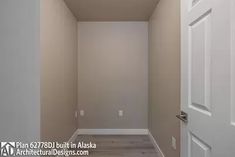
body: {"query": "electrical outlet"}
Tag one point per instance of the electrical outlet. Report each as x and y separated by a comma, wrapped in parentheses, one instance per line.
(76, 114)
(173, 142)
(82, 113)
(120, 113)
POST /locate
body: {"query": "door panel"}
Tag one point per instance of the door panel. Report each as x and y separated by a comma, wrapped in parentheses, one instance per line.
(195, 2)
(208, 78)
(198, 148)
(199, 51)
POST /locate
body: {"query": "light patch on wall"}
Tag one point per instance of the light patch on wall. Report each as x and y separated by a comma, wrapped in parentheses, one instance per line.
(233, 62)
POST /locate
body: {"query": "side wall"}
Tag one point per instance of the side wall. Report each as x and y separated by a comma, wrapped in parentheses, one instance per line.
(113, 74)
(58, 71)
(164, 75)
(19, 70)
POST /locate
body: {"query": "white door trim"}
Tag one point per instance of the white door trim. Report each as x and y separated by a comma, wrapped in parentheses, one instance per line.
(113, 131)
(233, 62)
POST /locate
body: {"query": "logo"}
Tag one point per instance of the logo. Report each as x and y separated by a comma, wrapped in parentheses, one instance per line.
(7, 149)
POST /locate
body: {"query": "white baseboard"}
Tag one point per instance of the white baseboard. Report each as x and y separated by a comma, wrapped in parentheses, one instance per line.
(72, 139)
(113, 131)
(74, 136)
(158, 149)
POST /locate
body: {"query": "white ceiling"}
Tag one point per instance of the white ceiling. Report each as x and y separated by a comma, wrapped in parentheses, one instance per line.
(112, 10)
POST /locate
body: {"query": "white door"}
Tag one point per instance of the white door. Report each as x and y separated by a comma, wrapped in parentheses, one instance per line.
(208, 78)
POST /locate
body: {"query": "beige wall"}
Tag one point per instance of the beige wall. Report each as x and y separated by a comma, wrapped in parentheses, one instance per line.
(164, 75)
(58, 71)
(113, 74)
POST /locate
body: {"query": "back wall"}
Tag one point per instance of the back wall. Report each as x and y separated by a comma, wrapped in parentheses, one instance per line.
(113, 74)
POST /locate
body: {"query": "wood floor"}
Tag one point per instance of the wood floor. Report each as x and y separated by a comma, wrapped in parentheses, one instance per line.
(120, 145)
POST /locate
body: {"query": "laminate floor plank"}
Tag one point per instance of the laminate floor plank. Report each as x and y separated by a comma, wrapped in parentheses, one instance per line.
(119, 145)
